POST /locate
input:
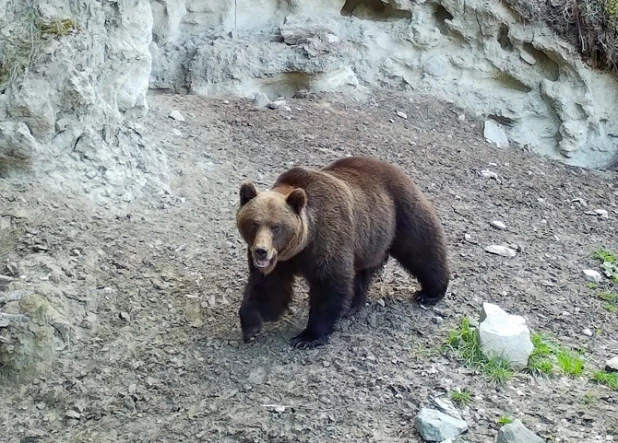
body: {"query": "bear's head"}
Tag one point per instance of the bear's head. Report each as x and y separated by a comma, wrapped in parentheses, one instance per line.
(273, 223)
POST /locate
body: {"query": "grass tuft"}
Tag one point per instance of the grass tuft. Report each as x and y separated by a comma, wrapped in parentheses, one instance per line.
(461, 398)
(504, 420)
(569, 363)
(609, 379)
(609, 263)
(464, 341)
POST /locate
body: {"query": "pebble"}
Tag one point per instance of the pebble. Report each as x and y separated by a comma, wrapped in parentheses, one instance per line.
(261, 100)
(612, 365)
(601, 213)
(486, 173)
(501, 250)
(434, 425)
(176, 132)
(276, 104)
(402, 114)
(437, 320)
(587, 332)
(125, 316)
(592, 276)
(495, 133)
(498, 225)
(72, 414)
(516, 432)
(176, 115)
(446, 406)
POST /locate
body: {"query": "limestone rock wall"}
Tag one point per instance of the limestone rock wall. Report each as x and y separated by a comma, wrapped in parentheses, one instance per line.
(478, 54)
(73, 75)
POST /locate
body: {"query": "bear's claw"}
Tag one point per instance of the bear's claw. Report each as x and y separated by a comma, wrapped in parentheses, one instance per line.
(426, 299)
(308, 340)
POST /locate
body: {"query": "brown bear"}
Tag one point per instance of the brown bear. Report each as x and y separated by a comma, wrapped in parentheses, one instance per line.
(336, 227)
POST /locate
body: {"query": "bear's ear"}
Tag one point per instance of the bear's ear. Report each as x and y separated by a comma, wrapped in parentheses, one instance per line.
(297, 199)
(247, 192)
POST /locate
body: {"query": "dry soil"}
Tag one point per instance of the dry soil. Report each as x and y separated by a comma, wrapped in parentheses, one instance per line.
(159, 357)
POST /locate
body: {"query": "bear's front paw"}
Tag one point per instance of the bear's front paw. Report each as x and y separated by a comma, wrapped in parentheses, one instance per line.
(308, 339)
(250, 323)
(426, 299)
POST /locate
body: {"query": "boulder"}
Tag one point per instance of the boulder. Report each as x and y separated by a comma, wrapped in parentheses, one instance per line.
(502, 335)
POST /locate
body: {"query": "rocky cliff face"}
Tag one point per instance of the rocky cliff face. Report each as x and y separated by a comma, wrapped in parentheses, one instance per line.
(71, 74)
(480, 55)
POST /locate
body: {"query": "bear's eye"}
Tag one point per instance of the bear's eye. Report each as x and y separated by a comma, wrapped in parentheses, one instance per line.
(274, 228)
(255, 224)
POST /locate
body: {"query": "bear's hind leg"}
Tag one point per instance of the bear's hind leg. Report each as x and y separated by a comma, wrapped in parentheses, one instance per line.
(430, 269)
(362, 281)
(329, 292)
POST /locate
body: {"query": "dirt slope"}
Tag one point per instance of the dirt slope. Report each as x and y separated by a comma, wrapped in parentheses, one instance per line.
(161, 360)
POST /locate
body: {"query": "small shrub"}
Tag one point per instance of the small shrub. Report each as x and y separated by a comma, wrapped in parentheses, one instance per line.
(589, 399)
(609, 262)
(461, 398)
(569, 363)
(609, 379)
(57, 28)
(591, 26)
(504, 420)
(611, 300)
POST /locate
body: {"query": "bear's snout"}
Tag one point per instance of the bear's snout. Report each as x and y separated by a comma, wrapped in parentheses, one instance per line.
(260, 253)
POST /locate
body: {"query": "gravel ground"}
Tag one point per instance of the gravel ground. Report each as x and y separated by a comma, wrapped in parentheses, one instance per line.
(159, 357)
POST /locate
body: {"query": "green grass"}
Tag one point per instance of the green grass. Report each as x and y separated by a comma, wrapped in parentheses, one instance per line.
(609, 263)
(549, 358)
(504, 420)
(461, 398)
(464, 342)
(611, 300)
(609, 379)
(569, 363)
(540, 362)
(589, 399)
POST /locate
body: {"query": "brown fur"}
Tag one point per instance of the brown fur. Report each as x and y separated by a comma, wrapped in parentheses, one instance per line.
(337, 226)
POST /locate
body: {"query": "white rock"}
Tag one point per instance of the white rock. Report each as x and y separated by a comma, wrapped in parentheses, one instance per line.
(176, 115)
(446, 406)
(402, 114)
(592, 276)
(612, 365)
(502, 335)
(261, 100)
(73, 414)
(176, 132)
(495, 133)
(601, 213)
(276, 104)
(434, 425)
(587, 332)
(498, 224)
(486, 173)
(501, 250)
(516, 432)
